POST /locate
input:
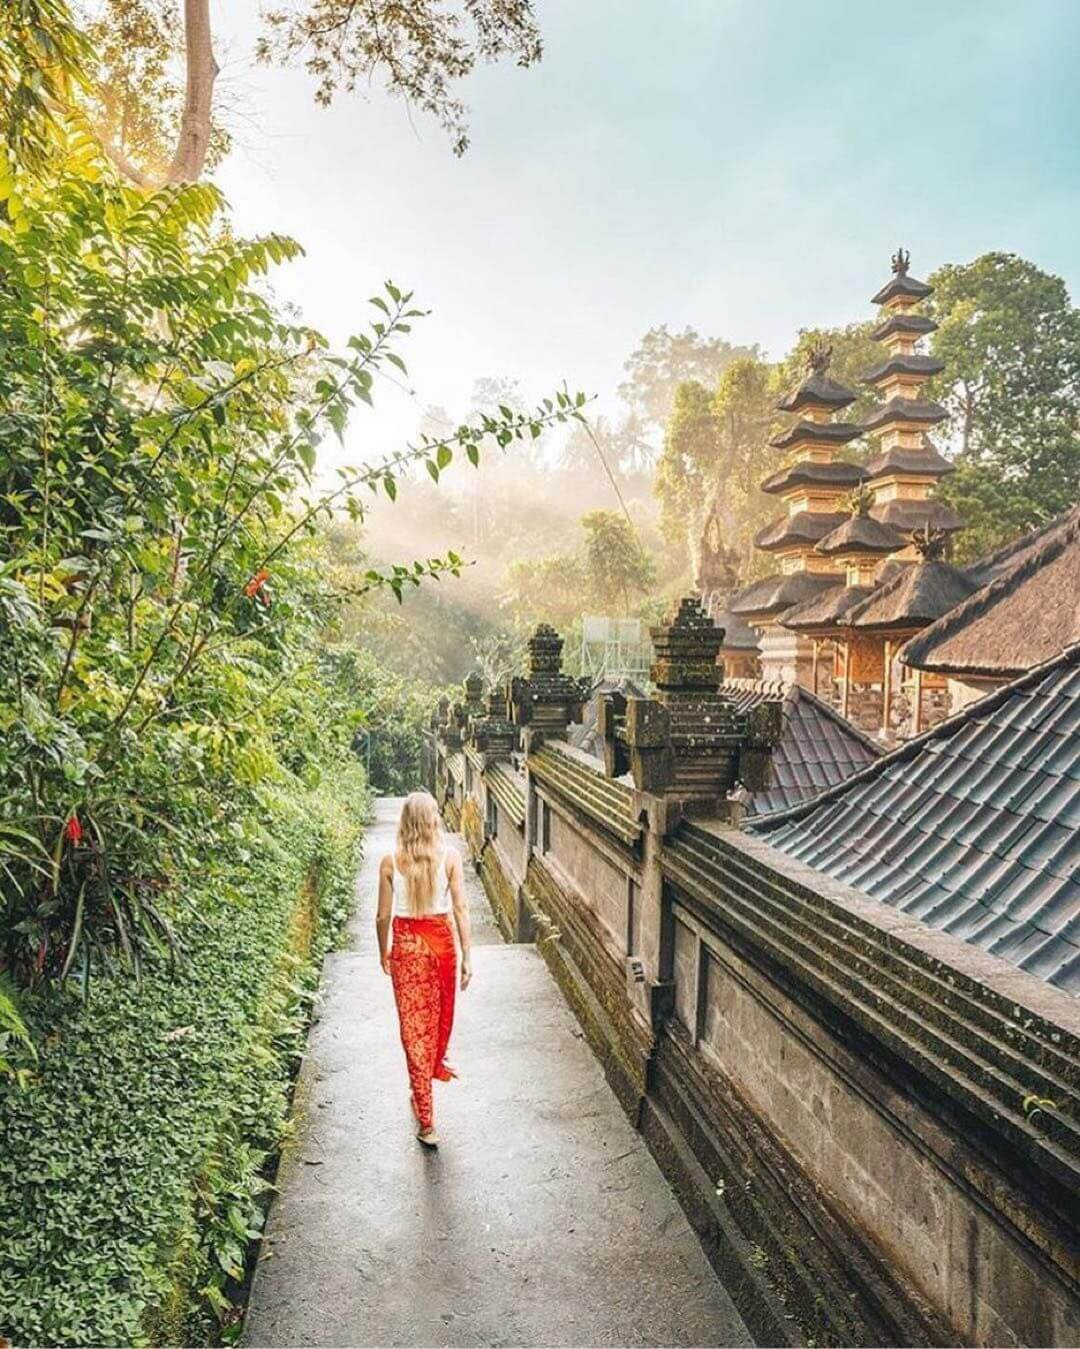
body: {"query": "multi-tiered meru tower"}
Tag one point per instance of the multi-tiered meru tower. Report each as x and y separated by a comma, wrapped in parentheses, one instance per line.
(907, 466)
(814, 488)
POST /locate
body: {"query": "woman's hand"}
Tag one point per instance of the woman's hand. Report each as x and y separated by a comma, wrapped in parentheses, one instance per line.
(466, 974)
(385, 962)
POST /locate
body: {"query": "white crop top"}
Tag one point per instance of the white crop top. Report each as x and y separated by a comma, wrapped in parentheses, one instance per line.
(441, 903)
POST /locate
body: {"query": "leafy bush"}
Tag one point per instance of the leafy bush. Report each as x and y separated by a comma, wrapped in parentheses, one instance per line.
(132, 1172)
(159, 424)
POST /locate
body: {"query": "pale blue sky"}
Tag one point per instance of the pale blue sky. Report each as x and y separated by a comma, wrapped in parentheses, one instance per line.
(743, 166)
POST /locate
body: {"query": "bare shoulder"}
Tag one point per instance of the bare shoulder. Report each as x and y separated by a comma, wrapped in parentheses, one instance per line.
(386, 864)
(453, 860)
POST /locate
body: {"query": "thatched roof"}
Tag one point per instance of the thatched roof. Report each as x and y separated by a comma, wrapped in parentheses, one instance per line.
(972, 828)
(900, 409)
(739, 636)
(905, 365)
(802, 527)
(812, 474)
(825, 610)
(913, 598)
(916, 325)
(926, 460)
(1024, 617)
(902, 284)
(909, 515)
(989, 567)
(861, 534)
(821, 433)
(817, 390)
(778, 592)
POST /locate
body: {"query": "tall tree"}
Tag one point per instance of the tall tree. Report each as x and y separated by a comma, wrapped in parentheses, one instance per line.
(662, 361)
(618, 568)
(418, 52)
(853, 354)
(137, 102)
(744, 409)
(688, 461)
(1010, 339)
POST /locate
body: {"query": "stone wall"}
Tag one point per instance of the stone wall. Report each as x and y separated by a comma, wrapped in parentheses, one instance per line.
(840, 1095)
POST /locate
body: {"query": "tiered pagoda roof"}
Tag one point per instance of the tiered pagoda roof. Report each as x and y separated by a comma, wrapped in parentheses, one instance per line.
(810, 473)
(861, 533)
(817, 389)
(907, 464)
(915, 596)
(802, 527)
(825, 611)
(774, 594)
(813, 488)
(925, 461)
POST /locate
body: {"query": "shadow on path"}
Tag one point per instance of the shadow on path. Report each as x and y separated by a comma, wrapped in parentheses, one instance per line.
(542, 1219)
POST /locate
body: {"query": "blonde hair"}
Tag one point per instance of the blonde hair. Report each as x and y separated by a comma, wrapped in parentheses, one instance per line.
(417, 852)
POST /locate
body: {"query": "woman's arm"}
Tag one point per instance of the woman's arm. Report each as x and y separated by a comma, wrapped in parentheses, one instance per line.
(385, 911)
(461, 914)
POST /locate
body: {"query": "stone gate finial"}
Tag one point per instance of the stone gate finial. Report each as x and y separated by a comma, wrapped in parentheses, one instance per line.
(546, 699)
(688, 741)
(901, 261)
(474, 692)
(545, 651)
(685, 649)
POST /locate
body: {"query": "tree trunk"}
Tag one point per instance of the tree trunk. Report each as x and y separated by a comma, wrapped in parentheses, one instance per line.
(202, 70)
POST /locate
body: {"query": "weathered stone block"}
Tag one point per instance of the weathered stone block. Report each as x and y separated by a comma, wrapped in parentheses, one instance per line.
(648, 724)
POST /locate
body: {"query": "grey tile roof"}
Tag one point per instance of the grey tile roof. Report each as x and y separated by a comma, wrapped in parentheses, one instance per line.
(817, 747)
(973, 827)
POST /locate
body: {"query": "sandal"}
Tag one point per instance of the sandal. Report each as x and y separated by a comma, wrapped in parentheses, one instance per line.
(428, 1137)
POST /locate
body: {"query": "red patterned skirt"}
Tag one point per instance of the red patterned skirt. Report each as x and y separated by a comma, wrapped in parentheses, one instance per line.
(423, 968)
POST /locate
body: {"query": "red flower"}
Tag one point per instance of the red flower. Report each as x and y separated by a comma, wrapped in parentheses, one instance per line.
(73, 831)
(256, 583)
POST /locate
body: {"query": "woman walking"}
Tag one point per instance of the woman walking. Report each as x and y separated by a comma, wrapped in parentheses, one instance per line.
(420, 883)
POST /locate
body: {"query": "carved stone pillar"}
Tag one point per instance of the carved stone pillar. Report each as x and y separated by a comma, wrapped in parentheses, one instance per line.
(546, 700)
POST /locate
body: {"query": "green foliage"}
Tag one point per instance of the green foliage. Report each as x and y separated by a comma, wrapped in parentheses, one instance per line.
(1010, 340)
(551, 589)
(384, 714)
(663, 360)
(42, 58)
(419, 51)
(17, 1052)
(134, 1170)
(610, 571)
(618, 570)
(160, 592)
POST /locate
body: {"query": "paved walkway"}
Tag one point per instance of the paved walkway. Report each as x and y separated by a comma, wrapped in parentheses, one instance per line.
(542, 1219)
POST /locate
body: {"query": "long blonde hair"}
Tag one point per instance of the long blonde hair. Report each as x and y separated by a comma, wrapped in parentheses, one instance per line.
(417, 852)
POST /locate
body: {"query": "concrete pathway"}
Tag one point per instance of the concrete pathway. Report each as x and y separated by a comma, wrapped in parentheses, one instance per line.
(542, 1219)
